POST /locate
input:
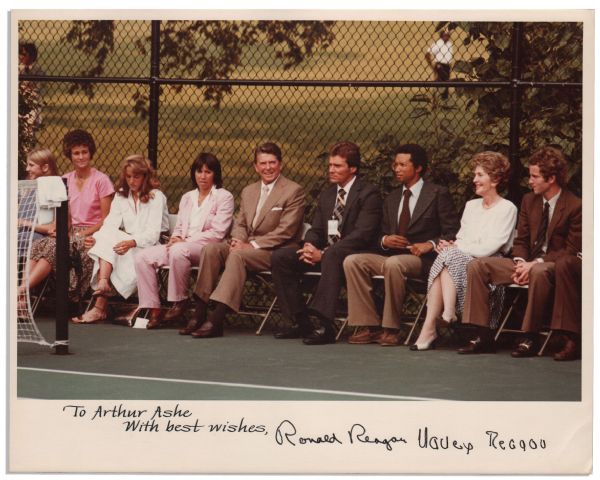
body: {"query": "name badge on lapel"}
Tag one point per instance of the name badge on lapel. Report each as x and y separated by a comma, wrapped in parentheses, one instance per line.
(332, 227)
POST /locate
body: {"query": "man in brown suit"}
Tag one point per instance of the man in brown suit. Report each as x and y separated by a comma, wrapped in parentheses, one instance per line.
(410, 231)
(270, 217)
(544, 258)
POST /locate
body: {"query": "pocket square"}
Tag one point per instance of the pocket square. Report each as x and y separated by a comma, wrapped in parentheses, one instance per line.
(277, 208)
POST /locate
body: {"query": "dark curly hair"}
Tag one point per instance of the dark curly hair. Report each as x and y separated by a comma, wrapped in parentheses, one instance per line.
(551, 161)
(78, 137)
(418, 155)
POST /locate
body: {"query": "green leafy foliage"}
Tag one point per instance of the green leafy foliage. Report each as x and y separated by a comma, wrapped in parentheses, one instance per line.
(204, 49)
(549, 115)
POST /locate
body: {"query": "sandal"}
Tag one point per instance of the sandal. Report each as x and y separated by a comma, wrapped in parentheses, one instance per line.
(91, 316)
(103, 288)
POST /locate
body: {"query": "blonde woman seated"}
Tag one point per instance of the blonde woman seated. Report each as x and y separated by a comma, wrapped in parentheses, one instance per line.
(40, 163)
(141, 209)
(204, 216)
(487, 228)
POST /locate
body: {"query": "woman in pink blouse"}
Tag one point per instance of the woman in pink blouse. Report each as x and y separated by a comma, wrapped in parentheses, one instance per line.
(90, 195)
(204, 216)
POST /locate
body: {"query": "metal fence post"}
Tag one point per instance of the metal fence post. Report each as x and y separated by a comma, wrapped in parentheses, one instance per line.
(62, 278)
(154, 94)
(514, 189)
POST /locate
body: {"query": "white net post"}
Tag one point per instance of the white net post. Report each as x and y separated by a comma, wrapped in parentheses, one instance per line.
(27, 330)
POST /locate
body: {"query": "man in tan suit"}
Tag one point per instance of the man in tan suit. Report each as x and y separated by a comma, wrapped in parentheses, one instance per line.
(270, 217)
(544, 258)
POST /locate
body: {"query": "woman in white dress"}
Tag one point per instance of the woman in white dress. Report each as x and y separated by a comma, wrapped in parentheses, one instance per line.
(487, 228)
(137, 216)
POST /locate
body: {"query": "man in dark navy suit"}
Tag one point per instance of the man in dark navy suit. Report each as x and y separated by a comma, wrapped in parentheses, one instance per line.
(346, 221)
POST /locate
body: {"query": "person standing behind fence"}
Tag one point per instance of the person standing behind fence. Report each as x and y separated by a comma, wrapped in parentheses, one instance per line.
(204, 217)
(439, 56)
(544, 258)
(487, 229)
(346, 221)
(270, 217)
(415, 217)
(138, 214)
(90, 195)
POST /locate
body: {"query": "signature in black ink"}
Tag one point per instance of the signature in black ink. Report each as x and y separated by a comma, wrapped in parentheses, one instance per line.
(358, 433)
(286, 433)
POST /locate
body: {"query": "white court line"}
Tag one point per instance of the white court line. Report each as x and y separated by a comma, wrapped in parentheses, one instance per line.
(233, 385)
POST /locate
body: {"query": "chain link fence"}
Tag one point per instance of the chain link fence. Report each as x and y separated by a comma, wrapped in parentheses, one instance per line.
(368, 82)
(172, 89)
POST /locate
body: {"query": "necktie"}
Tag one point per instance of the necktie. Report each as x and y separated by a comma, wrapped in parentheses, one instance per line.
(541, 234)
(404, 214)
(338, 213)
(264, 192)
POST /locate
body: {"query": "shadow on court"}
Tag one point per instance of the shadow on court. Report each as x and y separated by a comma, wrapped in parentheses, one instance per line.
(115, 362)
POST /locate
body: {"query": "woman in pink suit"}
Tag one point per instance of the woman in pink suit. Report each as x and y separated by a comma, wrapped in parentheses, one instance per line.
(204, 216)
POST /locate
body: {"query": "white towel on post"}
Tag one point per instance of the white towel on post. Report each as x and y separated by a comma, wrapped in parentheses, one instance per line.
(51, 191)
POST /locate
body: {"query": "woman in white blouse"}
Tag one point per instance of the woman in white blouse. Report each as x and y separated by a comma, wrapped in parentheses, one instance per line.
(204, 216)
(137, 216)
(487, 228)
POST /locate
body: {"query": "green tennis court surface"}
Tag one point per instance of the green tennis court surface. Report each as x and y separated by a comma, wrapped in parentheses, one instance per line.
(116, 362)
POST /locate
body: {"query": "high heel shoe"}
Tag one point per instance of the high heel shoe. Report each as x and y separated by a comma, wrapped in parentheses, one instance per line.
(421, 347)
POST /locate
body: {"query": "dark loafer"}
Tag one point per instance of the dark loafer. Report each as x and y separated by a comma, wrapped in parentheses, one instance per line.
(478, 345)
(318, 338)
(524, 349)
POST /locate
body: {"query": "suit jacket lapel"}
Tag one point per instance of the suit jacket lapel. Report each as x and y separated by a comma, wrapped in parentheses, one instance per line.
(186, 216)
(425, 198)
(394, 209)
(270, 201)
(557, 214)
(350, 199)
(253, 203)
(535, 218)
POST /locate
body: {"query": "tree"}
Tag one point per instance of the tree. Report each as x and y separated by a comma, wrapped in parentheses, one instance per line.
(210, 49)
(549, 52)
(30, 106)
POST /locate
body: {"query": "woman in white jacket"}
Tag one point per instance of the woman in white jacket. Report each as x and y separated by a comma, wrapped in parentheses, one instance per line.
(487, 229)
(137, 216)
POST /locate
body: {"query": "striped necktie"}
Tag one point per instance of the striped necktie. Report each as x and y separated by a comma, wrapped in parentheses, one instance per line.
(338, 214)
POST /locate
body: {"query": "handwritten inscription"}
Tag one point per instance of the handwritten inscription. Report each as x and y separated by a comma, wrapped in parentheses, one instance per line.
(175, 419)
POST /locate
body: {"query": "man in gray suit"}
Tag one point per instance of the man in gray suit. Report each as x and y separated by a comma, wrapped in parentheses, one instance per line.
(415, 217)
(270, 217)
